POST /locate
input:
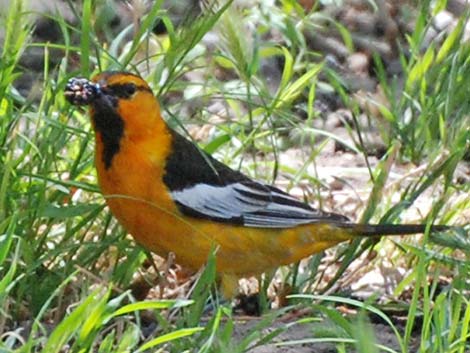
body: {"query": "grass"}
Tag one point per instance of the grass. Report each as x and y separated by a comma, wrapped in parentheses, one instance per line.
(66, 265)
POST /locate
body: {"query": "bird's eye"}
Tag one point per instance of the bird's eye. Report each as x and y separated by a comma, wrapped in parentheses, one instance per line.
(129, 89)
(121, 90)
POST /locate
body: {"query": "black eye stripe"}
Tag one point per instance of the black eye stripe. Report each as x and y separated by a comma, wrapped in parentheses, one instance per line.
(125, 90)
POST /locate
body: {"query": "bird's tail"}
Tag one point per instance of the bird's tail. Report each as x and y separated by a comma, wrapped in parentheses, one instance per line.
(391, 229)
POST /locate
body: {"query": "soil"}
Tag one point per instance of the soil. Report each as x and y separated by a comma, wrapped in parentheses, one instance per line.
(295, 338)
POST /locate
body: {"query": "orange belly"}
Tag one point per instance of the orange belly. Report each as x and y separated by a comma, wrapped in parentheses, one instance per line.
(239, 250)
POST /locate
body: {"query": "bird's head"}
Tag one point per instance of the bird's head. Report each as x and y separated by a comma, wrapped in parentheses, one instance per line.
(118, 100)
(122, 108)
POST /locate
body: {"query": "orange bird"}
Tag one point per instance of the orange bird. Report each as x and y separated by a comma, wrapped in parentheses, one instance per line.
(173, 197)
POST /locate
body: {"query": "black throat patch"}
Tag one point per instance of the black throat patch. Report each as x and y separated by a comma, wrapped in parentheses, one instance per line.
(111, 127)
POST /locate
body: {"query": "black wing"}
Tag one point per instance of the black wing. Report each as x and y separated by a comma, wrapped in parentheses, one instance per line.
(205, 188)
(249, 204)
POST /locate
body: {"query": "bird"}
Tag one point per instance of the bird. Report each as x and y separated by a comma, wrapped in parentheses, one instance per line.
(173, 197)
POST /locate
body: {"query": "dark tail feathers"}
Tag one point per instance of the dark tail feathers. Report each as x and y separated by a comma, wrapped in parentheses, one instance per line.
(391, 229)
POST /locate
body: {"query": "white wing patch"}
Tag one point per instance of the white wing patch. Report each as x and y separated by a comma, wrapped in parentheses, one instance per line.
(217, 201)
(247, 203)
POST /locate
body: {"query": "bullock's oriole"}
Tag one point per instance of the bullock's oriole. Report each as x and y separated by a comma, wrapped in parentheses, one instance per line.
(173, 197)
